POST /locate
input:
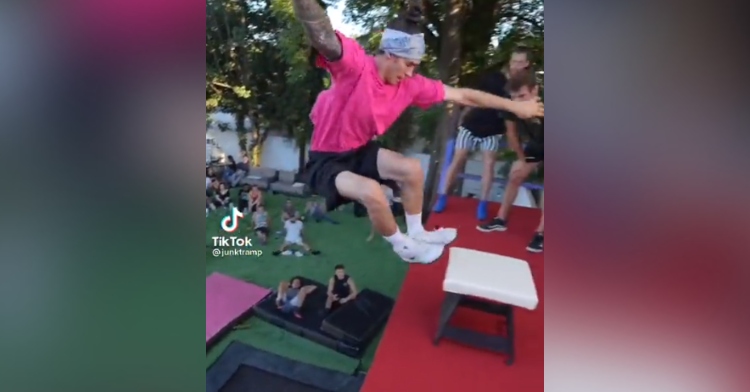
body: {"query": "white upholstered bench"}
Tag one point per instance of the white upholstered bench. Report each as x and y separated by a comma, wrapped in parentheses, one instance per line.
(502, 282)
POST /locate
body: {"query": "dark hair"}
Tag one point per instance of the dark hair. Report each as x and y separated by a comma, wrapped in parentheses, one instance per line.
(409, 21)
(338, 267)
(525, 78)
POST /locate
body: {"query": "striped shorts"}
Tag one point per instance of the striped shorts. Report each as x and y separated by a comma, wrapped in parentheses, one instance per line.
(466, 141)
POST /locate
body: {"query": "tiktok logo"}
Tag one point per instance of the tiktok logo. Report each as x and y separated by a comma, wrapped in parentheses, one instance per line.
(231, 222)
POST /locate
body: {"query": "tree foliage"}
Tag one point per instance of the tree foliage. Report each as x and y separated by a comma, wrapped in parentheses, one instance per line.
(258, 68)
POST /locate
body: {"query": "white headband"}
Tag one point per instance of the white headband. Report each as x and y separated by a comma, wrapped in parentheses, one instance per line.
(398, 43)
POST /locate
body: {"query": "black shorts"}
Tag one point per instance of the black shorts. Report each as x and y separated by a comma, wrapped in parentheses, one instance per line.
(323, 167)
(262, 230)
(534, 152)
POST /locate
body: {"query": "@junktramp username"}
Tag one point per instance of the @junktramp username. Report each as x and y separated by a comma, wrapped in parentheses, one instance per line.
(217, 252)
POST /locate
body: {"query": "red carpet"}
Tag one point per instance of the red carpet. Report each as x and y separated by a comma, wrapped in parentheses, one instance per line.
(407, 361)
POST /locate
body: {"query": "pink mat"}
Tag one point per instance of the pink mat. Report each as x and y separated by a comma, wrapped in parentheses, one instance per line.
(227, 299)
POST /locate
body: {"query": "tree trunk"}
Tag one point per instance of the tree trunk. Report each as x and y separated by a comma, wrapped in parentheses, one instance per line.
(449, 67)
(302, 156)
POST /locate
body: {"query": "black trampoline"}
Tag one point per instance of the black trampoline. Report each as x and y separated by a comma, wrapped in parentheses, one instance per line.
(358, 321)
(353, 329)
(242, 368)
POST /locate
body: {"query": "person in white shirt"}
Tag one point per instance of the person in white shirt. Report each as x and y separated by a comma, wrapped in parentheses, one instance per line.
(293, 238)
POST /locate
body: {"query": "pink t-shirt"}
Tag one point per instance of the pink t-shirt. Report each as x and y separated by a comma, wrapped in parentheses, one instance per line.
(359, 105)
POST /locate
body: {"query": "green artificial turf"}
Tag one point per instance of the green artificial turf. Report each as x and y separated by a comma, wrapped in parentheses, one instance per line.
(372, 265)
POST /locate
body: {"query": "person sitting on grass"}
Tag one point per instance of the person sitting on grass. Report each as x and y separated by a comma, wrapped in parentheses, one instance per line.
(293, 227)
(244, 202)
(260, 224)
(250, 199)
(211, 193)
(292, 296)
(317, 211)
(289, 211)
(222, 198)
(341, 288)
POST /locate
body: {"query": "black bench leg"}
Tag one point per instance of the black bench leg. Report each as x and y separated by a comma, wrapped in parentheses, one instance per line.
(450, 303)
(510, 327)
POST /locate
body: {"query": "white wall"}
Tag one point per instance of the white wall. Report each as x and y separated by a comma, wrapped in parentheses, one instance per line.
(280, 153)
(228, 141)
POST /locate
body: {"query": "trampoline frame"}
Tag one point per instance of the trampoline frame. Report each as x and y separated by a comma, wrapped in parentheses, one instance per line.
(238, 354)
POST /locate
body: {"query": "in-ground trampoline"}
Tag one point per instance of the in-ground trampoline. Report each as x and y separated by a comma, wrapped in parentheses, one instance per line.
(243, 368)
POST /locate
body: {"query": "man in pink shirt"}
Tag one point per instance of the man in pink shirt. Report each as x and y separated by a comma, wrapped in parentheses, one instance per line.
(367, 95)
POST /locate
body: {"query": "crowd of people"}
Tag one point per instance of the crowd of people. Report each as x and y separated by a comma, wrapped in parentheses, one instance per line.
(250, 202)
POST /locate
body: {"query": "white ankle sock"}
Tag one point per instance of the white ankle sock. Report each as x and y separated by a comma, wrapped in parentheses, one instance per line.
(414, 224)
(398, 239)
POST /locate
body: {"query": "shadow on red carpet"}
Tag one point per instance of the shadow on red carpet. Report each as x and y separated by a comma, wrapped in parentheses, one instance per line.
(407, 361)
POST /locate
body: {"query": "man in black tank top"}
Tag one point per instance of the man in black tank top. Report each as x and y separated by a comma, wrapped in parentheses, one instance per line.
(522, 87)
(341, 288)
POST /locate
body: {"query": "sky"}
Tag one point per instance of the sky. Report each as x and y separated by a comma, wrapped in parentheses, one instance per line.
(337, 20)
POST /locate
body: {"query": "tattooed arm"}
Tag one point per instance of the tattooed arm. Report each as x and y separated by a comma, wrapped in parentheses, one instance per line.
(318, 28)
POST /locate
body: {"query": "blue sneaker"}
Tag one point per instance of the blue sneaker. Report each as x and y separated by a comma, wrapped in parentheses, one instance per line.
(482, 210)
(440, 204)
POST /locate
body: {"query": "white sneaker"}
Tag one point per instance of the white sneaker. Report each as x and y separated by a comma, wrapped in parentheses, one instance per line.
(286, 253)
(419, 252)
(298, 254)
(442, 236)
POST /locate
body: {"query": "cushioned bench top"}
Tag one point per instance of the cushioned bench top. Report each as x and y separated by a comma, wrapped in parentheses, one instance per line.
(490, 276)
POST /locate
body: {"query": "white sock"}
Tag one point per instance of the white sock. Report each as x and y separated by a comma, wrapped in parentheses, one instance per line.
(398, 239)
(414, 224)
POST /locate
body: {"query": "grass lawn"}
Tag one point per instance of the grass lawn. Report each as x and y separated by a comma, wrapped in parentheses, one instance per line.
(372, 264)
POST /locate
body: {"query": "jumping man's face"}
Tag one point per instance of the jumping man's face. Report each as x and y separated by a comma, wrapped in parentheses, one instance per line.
(399, 69)
(340, 273)
(295, 283)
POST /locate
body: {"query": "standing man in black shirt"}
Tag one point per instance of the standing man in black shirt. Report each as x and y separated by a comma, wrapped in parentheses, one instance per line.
(482, 129)
(522, 86)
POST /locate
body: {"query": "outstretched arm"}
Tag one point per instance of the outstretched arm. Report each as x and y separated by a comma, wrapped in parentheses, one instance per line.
(476, 98)
(318, 28)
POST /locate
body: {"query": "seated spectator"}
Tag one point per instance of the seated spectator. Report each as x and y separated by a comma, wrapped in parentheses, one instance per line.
(260, 224)
(293, 227)
(341, 288)
(288, 211)
(291, 296)
(222, 198)
(317, 211)
(211, 192)
(244, 166)
(256, 198)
